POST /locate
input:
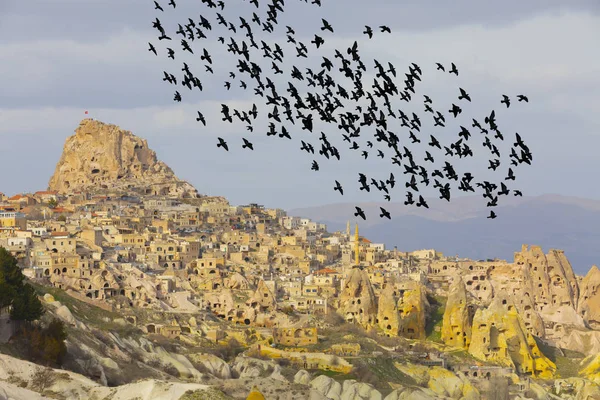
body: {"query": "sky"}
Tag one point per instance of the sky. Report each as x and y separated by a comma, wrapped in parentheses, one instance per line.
(59, 58)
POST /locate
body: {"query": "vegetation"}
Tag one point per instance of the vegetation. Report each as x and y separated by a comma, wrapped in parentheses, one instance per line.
(208, 394)
(43, 345)
(14, 293)
(42, 379)
(433, 326)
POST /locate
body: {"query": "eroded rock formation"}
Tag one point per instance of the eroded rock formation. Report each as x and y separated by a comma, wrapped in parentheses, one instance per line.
(104, 156)
(499, 335)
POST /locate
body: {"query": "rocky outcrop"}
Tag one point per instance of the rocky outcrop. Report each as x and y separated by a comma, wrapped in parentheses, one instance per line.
(104, 156)
(499, 335)
(589, 300)
(440, 382)
(412, 308)
(357, 299)
(70, 385)
(458, 316)
(387, 311)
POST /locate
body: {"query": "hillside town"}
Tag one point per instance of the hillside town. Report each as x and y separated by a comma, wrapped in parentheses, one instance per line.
(277, 284)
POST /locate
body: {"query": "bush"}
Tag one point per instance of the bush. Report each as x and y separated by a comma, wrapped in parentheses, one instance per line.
(42, 379)
(44, 345)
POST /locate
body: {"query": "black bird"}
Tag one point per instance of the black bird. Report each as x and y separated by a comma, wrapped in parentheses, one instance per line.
(326, 26)
(368, 31)
(453, 70)
(157, 6)
(384, 213)
(505, 100)
(463, 95)
(455, 110)
(339, 188)
(391, 181)
(422, 202)
(222, 144)
(152, 49)
(385, 29)
(412, 184)
(186, 46)
(492, 214)
(429, 157)
(247, 144)
(510, 176)
(427, 99)
(206, 56)
(409, 199)
(517, 193)
(177, 97)
(387, 197)
(522, 98)
(440, 66)
(201, 118)
(171, 53)
(315, 166)
(172, 3)
(360, 213)
(308, 147)
(317, 41)
(434, 142)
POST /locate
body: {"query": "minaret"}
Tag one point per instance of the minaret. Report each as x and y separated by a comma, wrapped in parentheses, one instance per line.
(348, 229)
(356, 249)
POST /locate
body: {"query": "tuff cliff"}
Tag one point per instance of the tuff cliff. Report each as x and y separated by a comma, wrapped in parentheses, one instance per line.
(104, 156)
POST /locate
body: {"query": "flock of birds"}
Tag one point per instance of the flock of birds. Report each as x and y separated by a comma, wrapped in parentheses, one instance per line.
(328, 98)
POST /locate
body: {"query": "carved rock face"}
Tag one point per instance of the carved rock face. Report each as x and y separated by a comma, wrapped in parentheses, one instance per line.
(104, 156)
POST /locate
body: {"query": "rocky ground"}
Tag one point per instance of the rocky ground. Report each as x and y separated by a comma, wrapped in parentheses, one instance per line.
(111, 359)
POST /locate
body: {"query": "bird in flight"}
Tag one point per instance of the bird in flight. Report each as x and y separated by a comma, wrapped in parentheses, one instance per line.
(453, 70)
(384, 213)
(360, 213)
(222, 144)
(338, 187)
(247, 144)
(200, 118)
(463, 95)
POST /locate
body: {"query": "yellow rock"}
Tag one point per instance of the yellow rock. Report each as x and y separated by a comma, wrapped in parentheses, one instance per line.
(411, 307)
(255, 394)
(456, 326)
(499, 335)
(592, 369)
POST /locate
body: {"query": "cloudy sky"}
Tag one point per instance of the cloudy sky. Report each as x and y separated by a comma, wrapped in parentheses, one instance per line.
(59, 58)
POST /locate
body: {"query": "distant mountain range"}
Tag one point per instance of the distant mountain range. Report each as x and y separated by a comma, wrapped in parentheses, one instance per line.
(460, 227)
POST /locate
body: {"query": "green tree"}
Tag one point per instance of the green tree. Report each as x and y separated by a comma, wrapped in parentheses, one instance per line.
(52, 203)
(26, 306)
(6, 295)
(10, 273)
